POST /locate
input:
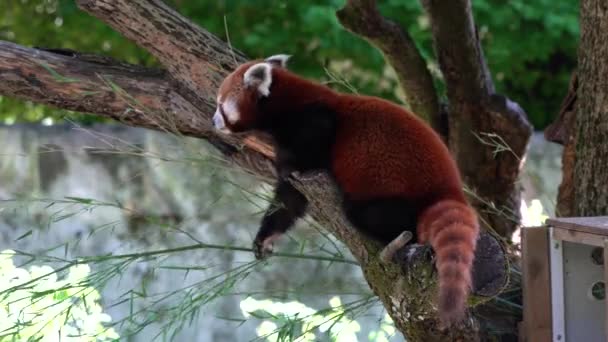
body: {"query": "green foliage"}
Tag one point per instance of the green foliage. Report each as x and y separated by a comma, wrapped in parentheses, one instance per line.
(294, 321)
(46, 300)
(38, 305)
(530, 46)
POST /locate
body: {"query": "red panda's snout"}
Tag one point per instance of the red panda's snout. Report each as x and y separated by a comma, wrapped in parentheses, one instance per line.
(219, 123)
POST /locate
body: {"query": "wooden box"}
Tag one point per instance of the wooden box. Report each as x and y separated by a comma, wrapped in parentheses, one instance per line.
(564, 275)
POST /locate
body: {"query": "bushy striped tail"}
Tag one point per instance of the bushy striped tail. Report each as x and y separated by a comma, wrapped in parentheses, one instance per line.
(451, 227)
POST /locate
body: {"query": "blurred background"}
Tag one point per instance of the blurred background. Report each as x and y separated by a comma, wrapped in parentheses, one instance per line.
(75, 188)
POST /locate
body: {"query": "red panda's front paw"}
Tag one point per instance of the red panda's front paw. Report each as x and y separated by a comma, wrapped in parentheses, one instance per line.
(262, 248)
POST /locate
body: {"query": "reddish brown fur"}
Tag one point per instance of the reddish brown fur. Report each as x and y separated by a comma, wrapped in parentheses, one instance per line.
(451, 228)
(232, 87)
(382, 150)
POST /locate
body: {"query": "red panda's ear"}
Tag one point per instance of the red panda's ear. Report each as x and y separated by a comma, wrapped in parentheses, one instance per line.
(278, 60)
(259, 76)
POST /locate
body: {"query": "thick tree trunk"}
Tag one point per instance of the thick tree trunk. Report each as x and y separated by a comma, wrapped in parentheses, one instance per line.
(180, 101)
(487, 133)
(591, 122)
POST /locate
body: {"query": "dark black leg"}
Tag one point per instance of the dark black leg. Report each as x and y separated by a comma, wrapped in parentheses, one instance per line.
(288, 205)
(287, 167)
(382, 219)
(284, 164)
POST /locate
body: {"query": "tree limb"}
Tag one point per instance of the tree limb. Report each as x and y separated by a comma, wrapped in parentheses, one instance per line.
(194, 57)
(182, 103)
(103, 86)
(363, 18)
(458, 50)
(488, 133)
(130, 94)
(561, 131)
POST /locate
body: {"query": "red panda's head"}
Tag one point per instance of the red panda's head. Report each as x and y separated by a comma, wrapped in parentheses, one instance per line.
(241, 90)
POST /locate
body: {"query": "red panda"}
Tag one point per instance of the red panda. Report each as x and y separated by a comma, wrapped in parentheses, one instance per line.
(392, 170)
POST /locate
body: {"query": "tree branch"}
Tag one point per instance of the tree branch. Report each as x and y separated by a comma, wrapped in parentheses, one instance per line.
(194, 57)
(181, 101)
(363, 18)
(562, 131)
(98, 85)
(488, 133)
(458, 50)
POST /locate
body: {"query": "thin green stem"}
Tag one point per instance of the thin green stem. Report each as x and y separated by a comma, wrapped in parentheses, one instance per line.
(210, 246)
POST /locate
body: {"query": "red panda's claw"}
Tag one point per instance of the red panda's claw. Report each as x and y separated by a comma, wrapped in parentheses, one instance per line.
(262, 249)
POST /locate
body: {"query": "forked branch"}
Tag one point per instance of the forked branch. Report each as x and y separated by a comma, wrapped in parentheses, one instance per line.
(363, 18)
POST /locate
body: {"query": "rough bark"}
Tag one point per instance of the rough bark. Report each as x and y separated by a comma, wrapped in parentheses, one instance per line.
(488, 133)
(130, 94)
(363, 18)
(87, 83)
(196, 58)
(180, 101)
(562, 132)
(591, 121)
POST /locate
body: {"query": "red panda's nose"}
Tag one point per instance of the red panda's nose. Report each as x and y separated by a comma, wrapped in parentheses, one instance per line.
(218, 120)
(219, 123)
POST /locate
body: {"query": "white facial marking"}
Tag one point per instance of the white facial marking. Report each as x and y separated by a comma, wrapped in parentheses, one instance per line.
(219, 123)
(280, 60)
(260, 76)
(231, 111)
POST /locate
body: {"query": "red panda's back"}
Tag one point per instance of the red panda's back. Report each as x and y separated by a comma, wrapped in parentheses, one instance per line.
(383, 150)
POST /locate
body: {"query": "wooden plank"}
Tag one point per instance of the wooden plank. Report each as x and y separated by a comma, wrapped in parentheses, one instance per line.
(606, 282)
(578, 237)
(556, 261)
(594, 225)
(536, 284)
(521, 332)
